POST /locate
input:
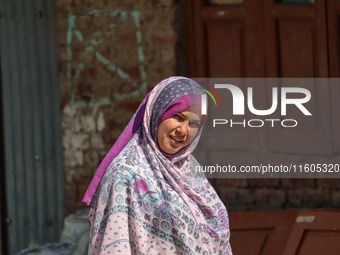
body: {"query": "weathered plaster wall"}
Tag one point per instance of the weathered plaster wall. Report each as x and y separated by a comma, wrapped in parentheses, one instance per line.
(110, 54)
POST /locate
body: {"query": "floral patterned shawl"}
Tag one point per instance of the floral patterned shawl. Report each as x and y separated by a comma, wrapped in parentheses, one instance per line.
(147, 202)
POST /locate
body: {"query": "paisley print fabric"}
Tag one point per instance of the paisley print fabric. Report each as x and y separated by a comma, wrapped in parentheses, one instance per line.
(151, 203)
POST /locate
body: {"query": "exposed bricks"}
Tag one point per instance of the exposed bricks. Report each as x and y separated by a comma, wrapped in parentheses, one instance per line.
(107, 50)
(267, 198)
(246, 196)
(298, 183)
(295, 198)
(310, 198)
(233, 182)
(329, 183)
(262, 196)
(127, 38)
(264, 183)
(162, 39)
(132, 106)
(317, 198)
(336, 198)
(228, 196)
(134, 71)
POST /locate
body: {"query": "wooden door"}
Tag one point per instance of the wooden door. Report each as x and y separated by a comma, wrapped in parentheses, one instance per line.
(313, 233)
(295, 39)
(262, 233)
(221, 39)
(255, 38)
(296, 46)
(272, 38)
(333, 22)
(287, 232)
(333, 18)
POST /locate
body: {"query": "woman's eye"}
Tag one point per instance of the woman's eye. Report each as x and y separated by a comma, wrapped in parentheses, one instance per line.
(194, 124)
(177, 116)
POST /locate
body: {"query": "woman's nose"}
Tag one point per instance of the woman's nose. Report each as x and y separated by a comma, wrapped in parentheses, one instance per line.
(183, 128)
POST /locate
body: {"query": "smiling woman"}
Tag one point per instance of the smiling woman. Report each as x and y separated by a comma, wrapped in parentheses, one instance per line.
(177, 131)
(145, 196)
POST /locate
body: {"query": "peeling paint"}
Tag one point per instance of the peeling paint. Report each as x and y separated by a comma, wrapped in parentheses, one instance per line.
(81, 133)
(100, 122)
(79, 69)
(139, 36)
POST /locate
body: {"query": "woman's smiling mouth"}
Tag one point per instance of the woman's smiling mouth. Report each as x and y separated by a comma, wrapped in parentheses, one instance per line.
(176, 140)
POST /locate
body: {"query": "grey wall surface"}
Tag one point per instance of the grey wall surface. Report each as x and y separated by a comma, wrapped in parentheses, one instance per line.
(32, 120)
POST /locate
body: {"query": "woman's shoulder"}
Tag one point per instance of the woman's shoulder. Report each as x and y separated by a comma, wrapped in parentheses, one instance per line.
(129, 162)
(195, 168)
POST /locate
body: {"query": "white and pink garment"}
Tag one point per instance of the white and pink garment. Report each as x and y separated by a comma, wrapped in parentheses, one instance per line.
(147, 202)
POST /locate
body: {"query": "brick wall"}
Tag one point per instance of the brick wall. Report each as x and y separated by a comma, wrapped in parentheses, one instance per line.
(110, 54)
(278, 194)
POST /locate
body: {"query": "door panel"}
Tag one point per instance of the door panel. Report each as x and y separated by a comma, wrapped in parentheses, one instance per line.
(225, 55)
(264, 232)
(296, 47)
(333, 18)
(295, 39)
(314, 232)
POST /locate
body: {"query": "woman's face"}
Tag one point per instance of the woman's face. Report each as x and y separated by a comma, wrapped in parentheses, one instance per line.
(177, 131)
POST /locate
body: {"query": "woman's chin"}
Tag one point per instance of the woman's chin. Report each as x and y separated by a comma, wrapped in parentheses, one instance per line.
(171, 149)
(175, 146)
